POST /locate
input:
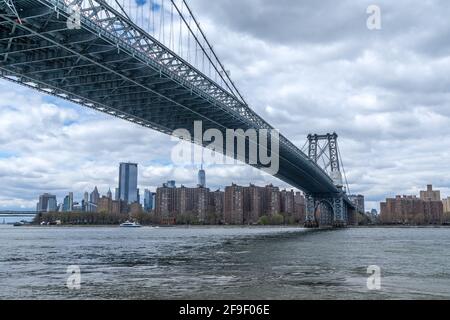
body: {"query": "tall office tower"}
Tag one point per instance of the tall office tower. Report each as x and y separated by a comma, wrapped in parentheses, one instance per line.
(52, 205)
(138, 196)
(43, 204)
(128, 190)
(201, 178)
(109, 194)
(68, 203)
(95, 196)
(116, 194)
(148, 201)
(85, 202)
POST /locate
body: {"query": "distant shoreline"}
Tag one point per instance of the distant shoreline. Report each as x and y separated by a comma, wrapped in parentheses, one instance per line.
(234, 226)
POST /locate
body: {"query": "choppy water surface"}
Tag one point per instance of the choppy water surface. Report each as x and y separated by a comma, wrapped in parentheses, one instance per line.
(223, 263)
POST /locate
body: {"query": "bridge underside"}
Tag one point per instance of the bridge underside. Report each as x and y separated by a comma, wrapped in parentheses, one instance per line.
(113, 66)
(329, 210)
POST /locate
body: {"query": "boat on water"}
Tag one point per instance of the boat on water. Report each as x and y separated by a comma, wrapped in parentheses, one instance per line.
(20, 223)
(128, 224)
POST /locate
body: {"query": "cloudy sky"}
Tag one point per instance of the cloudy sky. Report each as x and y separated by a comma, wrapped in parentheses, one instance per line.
(304, 66)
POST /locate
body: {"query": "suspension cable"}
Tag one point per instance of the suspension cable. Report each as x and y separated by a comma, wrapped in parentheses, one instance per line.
(343, 168)
(122, 9)
(203, 49)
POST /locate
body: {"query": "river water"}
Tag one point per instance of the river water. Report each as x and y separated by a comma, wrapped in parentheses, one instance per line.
(223, 263)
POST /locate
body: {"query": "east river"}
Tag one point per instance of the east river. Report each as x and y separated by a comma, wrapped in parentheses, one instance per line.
(223, 263)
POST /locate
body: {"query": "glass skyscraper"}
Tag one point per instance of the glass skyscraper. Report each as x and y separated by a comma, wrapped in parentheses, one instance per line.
(149, 200)
(47, 202)
(128, 190)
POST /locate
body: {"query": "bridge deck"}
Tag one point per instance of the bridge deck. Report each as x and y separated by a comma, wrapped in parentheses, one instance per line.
(112, 66)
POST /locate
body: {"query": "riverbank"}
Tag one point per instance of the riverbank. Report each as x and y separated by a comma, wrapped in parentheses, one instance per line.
(231, 226)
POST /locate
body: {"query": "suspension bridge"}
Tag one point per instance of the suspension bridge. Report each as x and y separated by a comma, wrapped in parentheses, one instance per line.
(149, 62)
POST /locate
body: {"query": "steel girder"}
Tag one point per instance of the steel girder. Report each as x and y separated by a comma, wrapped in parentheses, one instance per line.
(107, 61)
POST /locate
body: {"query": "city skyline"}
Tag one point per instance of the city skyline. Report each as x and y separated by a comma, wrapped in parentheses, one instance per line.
(199, 175)
(93, 195)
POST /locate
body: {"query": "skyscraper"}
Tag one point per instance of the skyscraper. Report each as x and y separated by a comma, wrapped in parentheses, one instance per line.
(109, 194)
(128, 190)
(52, 205)
(43, 204)
(68, 203)
(201, 178)
(95, 196)
(148, 200)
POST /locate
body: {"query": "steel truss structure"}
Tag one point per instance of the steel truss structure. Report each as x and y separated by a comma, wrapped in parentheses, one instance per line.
(111, 65)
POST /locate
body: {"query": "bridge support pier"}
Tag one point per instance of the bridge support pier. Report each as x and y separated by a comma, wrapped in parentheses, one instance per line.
(325, 210)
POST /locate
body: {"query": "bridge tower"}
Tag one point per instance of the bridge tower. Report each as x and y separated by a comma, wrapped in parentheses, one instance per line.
(326, 209)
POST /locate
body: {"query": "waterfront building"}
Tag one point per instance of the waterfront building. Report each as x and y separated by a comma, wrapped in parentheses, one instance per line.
(191, 201)
(287, 202)
(110, 206)
(104, 205)
(216, 203)
(234, 204)
(186, 200)
(43, 203)
(166, 206)
(299, 208)
(411, 210)
(272, 204)
(446, 204)
(128, 190)
(254, 199)
(430, 194)
(358, 201)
